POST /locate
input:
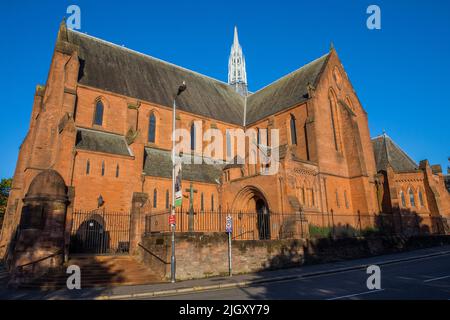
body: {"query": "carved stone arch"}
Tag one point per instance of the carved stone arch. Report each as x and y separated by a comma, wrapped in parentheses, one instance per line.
(41, 235)
(247, 194)
(252, 205)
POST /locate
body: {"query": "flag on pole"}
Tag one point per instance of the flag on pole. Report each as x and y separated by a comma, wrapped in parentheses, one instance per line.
(178, 190)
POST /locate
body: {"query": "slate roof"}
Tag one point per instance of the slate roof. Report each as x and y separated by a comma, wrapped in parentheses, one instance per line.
(284, 93)
(116, 69)
(158, 163)
(100, 141)
(113, 68)
(388, 152)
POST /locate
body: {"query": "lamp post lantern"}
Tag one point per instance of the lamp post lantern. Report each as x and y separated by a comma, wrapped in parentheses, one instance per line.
(181, 89)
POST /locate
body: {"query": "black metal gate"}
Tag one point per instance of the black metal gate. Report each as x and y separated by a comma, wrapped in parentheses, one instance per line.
(99, 232)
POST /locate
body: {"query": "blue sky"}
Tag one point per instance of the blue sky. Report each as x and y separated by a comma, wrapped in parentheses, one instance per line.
(400, 73)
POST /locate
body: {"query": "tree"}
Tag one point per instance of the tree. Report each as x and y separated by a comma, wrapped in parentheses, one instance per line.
(5, 187)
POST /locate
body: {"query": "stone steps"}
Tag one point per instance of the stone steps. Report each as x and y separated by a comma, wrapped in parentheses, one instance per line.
(4, 275)
(99, 271)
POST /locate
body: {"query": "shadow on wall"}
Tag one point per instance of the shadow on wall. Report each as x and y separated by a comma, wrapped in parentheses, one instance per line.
(404, 222)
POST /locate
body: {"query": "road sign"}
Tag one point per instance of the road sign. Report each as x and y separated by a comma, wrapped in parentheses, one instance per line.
(229, 225)
(172, 219)
(178, 190)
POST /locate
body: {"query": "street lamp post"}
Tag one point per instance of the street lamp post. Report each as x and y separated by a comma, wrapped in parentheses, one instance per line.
(173, 226)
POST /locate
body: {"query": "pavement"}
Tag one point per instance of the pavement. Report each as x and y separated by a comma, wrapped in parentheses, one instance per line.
(421, 274)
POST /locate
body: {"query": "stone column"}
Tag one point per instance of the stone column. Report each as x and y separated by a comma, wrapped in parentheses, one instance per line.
(137, 219)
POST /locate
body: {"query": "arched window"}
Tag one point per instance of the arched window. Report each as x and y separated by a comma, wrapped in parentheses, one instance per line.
(228, 144)
(167, 199)
(402, 198)
(303, 197)
(193, 137)
(103, 168)
(202, 202)
(337, 199)
(117, 171)
(411, 198)
(293, 130)
(345, 199)
(313, 200)
(88, 167)
(152, 128)
(212, 202)
(421, 199)
(333, 121)
(98, 115)
(155, 198)
(258, 137)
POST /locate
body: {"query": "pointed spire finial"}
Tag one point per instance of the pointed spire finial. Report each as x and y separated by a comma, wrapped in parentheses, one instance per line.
(236, 37)
(237, 75)
(331, 46)
(62, 33)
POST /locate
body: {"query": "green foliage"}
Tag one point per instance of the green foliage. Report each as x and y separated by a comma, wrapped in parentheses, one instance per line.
(341, 231)
(5, 187)
(317, 232)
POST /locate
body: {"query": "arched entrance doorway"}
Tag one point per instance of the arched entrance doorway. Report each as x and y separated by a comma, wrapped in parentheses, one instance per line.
(91, 237)
(263, 219)
(252, 203)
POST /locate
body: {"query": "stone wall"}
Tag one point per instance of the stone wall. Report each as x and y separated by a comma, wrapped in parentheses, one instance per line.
(202, 255)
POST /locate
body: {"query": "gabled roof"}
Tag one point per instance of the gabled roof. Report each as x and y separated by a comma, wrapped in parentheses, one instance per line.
(387, 152)
(158, 163)
(116, 69)
(113, 68)
(284, 93)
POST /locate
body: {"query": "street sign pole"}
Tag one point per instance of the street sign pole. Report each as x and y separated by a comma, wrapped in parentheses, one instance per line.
(229, 230)
(230, 268)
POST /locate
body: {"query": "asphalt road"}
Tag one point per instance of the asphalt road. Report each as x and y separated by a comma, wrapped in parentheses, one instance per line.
(427, 278)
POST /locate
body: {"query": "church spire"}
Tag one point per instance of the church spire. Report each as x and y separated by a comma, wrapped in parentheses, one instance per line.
(237, 75)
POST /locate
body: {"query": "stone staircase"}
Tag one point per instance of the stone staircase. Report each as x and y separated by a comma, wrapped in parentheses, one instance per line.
(99, 271)
(4, 275)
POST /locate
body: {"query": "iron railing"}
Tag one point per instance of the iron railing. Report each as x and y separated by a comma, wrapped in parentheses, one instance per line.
(100, 232)
(272, 225)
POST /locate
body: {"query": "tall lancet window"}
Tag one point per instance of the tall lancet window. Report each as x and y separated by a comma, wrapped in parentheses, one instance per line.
(402, 198)
(293, 130)
(98, 115)
(334, 122)
(193, 136)
(421, 199)
(228, 144)
(411, 198)
(152, 128)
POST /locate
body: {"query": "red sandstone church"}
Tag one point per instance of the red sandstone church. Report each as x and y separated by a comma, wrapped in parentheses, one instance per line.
(100, 141)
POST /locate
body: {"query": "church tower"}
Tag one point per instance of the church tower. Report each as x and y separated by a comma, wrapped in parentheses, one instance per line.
(237, 75)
